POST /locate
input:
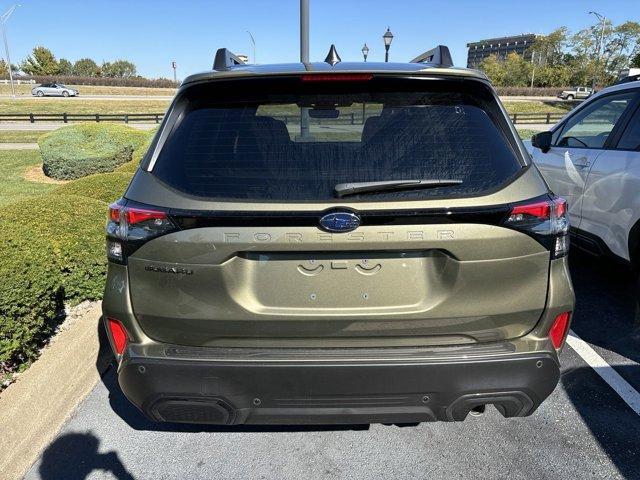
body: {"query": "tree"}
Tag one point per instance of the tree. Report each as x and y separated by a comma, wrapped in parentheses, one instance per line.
(619, 45)
(41, 62)
(85, 67)
(119, 69)
(549, 49)
(517, 70)
(635, 61)
(4, 68)
(513, 71)
(66, 67)
(493, 68)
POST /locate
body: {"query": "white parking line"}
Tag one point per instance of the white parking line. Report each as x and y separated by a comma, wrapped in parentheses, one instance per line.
(606, 371)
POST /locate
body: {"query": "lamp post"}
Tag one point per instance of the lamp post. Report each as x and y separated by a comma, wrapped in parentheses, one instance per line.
(388, 38)
(3, 22)
(602, 19)
(174, 65)
(253, 41)
(533, 70)
(365, 52)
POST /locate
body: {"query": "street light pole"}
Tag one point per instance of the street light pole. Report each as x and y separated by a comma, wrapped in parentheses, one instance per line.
(533, 70)
(175, 75)
(254, 47)
(3, 22)
(602, 20)
(304, 59)
(365, 52)
(388, 38)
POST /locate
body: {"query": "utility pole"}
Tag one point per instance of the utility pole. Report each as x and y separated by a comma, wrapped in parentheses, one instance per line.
(3, 22)
(602, 20)
(255, 62)
(533, 71)
(304, 31)
(175, 75)
(304, 58)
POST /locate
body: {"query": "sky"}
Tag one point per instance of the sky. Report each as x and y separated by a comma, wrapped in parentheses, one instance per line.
(154, 33)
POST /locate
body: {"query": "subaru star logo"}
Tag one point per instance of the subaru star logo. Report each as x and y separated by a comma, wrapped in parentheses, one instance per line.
(340, 222)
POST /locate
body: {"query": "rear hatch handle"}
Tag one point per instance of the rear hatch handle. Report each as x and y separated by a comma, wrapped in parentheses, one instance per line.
(344, 189)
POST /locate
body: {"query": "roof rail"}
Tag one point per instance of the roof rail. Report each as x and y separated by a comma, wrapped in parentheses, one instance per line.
(226, 60)
(439, 56)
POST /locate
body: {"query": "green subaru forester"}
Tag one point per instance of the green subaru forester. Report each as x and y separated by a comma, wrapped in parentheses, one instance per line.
(336, 244)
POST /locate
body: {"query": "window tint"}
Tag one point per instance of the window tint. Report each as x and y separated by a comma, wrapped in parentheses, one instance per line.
(591, 126)
(630, 139)
(258, 148)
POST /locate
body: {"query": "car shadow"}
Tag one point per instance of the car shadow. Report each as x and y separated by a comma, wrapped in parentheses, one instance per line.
(133, 417)
(611, 421)
(605, 304)
(73, 456)
(605, 317)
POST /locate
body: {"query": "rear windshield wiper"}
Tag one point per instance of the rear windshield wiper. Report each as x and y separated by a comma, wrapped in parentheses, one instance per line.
(344, 189)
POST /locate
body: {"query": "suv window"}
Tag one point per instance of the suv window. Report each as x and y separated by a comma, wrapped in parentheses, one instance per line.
(245, 141)
(590, 127)
(630, 139)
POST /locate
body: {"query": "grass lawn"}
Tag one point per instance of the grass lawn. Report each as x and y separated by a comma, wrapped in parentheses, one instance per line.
(90, 106)
(538, 106)
(20, 136)
(13, 186)
(25, 90)
(81, 105)
(526, 134)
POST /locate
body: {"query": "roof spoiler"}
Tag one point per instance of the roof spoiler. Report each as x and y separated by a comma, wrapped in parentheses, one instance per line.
(439, 56)
(225, 60)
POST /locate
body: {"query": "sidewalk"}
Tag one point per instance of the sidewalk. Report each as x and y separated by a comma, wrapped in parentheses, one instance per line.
(18, 146)
(28, 126)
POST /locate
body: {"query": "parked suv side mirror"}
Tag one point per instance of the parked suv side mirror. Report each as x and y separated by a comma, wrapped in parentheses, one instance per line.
(542, 141)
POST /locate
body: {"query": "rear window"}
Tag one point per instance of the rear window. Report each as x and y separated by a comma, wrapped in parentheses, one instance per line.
(290, 140)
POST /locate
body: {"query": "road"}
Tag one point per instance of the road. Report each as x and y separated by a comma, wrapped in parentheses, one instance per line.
(584, 430)
(518, 98)
(90, 97)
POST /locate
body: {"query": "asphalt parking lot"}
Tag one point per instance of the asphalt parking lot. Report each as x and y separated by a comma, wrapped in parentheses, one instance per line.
(584, 430)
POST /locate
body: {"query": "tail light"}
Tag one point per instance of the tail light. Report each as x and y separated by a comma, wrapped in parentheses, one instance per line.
(559, 329)
(546, 220)
(337, 77)
(118, 335)
(130, 226)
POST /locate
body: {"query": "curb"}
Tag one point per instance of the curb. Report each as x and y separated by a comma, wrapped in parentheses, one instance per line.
(34, 408)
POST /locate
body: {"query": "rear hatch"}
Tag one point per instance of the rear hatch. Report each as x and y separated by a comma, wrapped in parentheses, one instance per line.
(261, 238)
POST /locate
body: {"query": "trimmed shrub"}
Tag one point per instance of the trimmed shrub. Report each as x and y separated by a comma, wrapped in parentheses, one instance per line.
(52, 251)
(129, 167)
(80, 150)
(106, 187)
(526, 91)
(138, 154)
(106, 81)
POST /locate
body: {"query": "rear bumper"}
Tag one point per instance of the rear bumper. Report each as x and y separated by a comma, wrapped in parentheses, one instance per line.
(240, 386)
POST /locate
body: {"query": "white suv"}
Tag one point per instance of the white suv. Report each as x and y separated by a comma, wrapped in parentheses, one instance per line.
(592, 158)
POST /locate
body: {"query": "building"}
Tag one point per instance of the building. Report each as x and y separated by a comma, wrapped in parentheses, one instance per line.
(500, 46)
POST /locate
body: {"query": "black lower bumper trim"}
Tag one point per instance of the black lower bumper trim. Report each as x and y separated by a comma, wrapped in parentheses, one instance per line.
(294, 393)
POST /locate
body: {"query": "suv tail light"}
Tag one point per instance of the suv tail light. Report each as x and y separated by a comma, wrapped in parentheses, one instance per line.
(559, 329)
(118, 334)
(544, 219)
(129, 227)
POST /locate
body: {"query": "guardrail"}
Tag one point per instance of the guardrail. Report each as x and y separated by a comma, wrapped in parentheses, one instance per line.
(347, 118)
(524, 118)
(17, 82)
(81, 117)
